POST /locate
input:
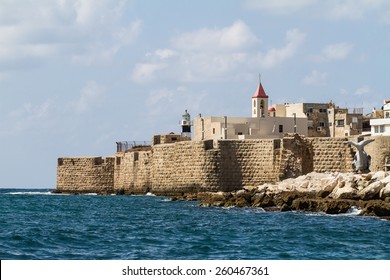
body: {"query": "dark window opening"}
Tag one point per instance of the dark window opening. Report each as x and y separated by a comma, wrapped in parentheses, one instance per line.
(280, 128)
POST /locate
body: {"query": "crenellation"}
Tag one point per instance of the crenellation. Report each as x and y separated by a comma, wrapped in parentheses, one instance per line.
(219, 165)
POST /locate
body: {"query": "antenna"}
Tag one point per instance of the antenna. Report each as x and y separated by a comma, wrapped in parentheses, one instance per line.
(259, 78)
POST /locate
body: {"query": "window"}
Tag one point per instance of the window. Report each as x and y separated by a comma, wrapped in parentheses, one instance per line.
(322, 124)
(387, 115)
(310, 124)
(254, 102)
(354, 120)
(381, 128)
(118, 161)
(239, 133)
(309, 110)
(340, 122)
(330, 124)
(213, 130)
(280, 128)
(322, 110)
(376, 129)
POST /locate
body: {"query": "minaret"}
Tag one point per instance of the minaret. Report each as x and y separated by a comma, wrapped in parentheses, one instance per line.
(259, 103)
(186, 124)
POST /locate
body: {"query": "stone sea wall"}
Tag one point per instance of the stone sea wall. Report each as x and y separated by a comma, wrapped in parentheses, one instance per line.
(85, 175)
(223, 165)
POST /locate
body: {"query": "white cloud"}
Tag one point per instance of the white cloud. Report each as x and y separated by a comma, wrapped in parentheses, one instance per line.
(238, 36)
(144, 72)
(173, 99)
(87, 31)
(363, 90)
(29, 116)
(279, 6)
(90, 94)
(275, 56)
(214, 54)
(315, 78)
(358, 9)
(162, 53)
(338, 51)
(376, 10)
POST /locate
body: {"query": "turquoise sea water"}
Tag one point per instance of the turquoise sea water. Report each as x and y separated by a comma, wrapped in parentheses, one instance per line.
(35, 224)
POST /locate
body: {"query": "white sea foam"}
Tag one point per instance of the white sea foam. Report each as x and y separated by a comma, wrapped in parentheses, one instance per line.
(150, 194)
(353, 211)
(31, 193)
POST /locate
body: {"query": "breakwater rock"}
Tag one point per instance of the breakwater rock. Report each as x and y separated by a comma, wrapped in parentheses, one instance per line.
(331, 193)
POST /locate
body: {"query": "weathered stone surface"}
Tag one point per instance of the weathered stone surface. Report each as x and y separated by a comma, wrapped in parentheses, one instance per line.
(306, 195)
(344, 190)
(385, 192)
(85, 175)
(227, 165)
(371, 191)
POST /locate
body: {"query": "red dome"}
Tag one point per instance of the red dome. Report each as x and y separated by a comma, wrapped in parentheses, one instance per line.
(271, 109)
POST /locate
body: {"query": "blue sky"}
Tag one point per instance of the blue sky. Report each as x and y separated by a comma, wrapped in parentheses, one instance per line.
(78, 75)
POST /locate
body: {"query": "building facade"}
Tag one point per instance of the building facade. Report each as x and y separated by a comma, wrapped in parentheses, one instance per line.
(264, 123)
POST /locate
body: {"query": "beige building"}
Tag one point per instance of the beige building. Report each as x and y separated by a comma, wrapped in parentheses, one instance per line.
(325, 119)
(264, 123)
(344, 122)
(316, 114)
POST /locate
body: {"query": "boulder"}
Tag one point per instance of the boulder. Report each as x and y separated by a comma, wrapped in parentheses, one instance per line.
(385, 192)
(344, 190)
(371, 191)
(379, 175)
(386, 180)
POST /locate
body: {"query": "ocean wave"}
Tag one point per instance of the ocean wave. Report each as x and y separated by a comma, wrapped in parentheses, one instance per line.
(353, 211)
(33, 193)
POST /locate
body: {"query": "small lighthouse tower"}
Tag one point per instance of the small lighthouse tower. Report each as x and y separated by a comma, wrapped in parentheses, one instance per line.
(260, 102)
(186, 124)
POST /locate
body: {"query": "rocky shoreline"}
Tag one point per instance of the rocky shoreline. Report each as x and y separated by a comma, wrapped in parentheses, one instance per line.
(330, 193)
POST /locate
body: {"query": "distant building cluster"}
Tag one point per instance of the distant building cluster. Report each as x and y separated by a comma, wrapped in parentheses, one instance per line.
(277, 120)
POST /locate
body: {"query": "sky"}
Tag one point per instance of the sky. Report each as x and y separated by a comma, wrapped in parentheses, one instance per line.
(78, 75)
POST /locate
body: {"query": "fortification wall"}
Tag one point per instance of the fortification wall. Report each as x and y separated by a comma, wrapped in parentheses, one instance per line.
(181, 167)
(246, 163)
(331, 154)
(223, 165)
(85, 175)
(133, 172)
(379, 150)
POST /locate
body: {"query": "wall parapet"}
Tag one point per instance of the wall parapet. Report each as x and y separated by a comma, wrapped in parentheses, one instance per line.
(219, 165)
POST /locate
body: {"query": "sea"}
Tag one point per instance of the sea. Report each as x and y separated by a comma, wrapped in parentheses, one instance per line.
(38, 225)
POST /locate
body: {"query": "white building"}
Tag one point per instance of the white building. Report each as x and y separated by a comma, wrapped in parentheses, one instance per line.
(382, 126)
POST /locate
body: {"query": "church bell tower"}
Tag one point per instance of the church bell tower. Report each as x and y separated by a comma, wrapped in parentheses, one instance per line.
(260, 103)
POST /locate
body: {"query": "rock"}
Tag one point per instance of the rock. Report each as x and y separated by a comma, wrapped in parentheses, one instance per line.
(371, 191)
(331, 184)
(368, 176)
(376, 208)
(379, 176)
(344, 190)
(385, 192)
(240, 192)
(257, 198)
(250, 188)
(386, 180)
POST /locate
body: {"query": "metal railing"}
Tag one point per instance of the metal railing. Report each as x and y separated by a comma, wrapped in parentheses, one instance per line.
(355, 110)
(126, 145)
